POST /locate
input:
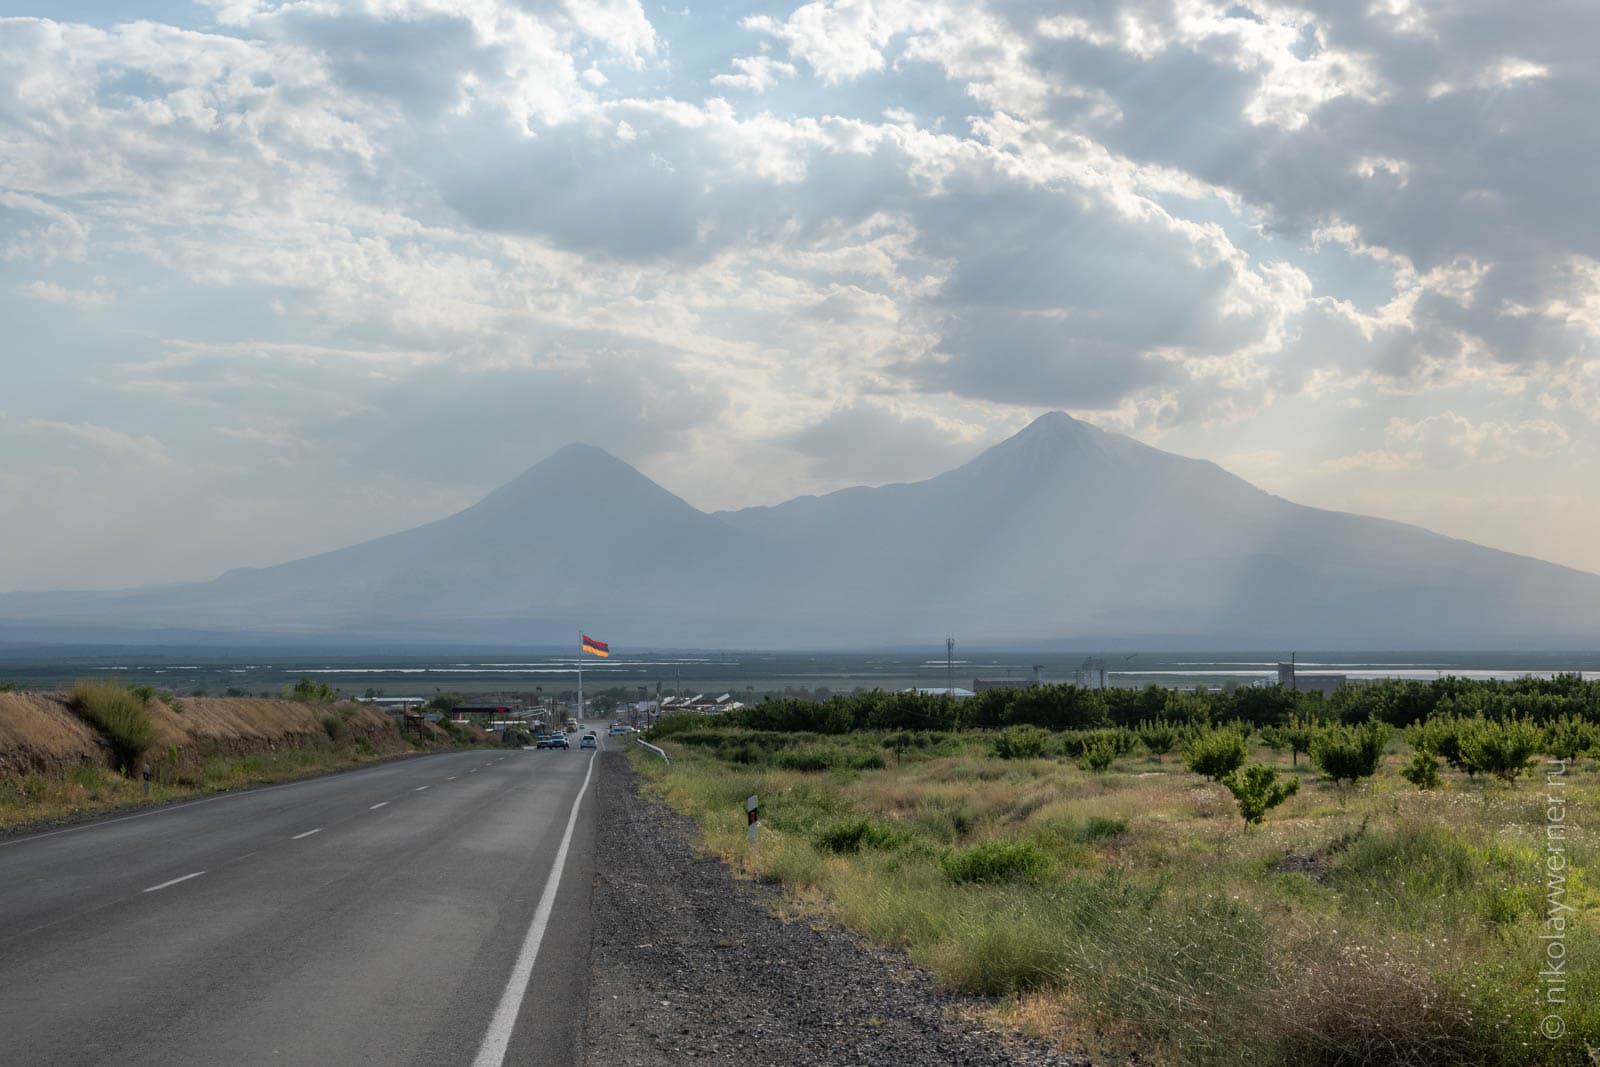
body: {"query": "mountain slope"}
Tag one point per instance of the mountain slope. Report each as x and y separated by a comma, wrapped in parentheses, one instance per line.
(1061, 533)
(1065, 530)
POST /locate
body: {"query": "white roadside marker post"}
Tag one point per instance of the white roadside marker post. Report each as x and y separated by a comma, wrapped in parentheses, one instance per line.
(752, 809)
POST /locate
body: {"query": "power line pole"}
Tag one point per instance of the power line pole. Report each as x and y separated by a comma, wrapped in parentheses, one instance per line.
(950, 667)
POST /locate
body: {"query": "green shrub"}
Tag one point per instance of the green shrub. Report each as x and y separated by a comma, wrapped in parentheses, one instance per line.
(1503, 749)
(1097, 756)
(805, 759)
(997, 861)
(1422, 770)
(1215, 753)
(1569, 737)
(1159, 737)
(857, 834)
(1258, 790)
(8, 687)
(310, 691)
(867, 761)
(333, 726)
(145, 693)
(1118, 739)
(1348, 753)
(120, 716)
(1021, 742)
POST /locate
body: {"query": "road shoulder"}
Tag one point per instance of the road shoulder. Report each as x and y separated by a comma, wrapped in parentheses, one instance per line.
(688, 962)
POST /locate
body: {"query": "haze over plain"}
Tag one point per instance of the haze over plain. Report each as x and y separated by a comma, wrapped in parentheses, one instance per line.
(1063, 533)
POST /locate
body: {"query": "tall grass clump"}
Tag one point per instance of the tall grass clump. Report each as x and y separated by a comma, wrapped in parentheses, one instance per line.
(857, 834)
(118, 714)
(997, 861)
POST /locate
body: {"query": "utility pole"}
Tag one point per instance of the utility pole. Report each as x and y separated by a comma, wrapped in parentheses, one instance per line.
(950, 667)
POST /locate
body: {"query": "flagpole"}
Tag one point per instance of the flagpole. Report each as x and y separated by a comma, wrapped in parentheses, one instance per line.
(579, 716)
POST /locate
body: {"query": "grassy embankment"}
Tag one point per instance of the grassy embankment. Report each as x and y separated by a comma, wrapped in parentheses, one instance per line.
(64, 756)
(1131, 912)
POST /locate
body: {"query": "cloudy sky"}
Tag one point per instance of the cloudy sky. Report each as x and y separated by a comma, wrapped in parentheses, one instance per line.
(276, 275)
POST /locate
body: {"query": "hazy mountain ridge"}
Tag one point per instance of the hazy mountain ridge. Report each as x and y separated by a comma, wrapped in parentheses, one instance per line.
(1061, 532)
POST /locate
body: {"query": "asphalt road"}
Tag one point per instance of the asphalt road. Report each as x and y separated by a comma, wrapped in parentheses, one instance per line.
(375, 916)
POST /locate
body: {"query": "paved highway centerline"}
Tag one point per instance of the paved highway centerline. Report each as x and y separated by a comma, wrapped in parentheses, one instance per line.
(419, 789)
(308, 833)
(175, 881)
(378, 805)
(498, 1039)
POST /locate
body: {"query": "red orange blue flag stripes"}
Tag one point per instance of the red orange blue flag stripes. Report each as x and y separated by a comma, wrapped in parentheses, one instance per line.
(598, 648)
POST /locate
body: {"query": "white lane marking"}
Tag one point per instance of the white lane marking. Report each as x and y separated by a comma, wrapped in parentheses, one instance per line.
(308, 833)
(451, 778)
(175, 881)
(419, 789)
(378, 805)
(184, 805)
(498, 1039)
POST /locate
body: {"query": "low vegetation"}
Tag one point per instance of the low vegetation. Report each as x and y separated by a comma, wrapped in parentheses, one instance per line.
(1382, 903)
(122, 715)
(87, 752)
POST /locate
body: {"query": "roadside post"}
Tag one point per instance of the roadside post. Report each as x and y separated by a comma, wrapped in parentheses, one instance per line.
(752, 809)
(147, 778)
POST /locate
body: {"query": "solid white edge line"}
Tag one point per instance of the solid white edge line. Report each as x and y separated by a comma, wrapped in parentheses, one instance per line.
(308, 833)
(378, 805)
(175, 881)
(498, 1038)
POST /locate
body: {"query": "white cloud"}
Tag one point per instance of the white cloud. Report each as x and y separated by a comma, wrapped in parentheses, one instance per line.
(882, 216)
(755, 73)
(82, 299)
(103, 439)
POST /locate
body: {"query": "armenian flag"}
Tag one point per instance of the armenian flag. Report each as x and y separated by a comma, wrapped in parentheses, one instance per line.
(598, 648)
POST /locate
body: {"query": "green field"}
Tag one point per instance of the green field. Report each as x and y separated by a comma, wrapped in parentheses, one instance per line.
(1132, 913)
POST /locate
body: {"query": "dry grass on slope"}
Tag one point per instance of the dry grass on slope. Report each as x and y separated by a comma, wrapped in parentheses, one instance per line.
(40, 734)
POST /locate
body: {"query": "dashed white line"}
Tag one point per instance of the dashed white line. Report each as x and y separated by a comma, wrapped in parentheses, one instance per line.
(175, 881)
(451, 778)
(378, 805)
(308, 833)
(419, 789)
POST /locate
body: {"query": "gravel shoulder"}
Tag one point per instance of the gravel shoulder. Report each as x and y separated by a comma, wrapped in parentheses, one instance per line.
(689, 963)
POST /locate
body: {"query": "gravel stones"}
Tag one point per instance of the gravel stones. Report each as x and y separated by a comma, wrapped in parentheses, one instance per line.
(689, 965)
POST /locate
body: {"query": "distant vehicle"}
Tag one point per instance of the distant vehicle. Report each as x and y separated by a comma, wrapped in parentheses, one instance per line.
(587, 742)
(544, 741)
(559, 741)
